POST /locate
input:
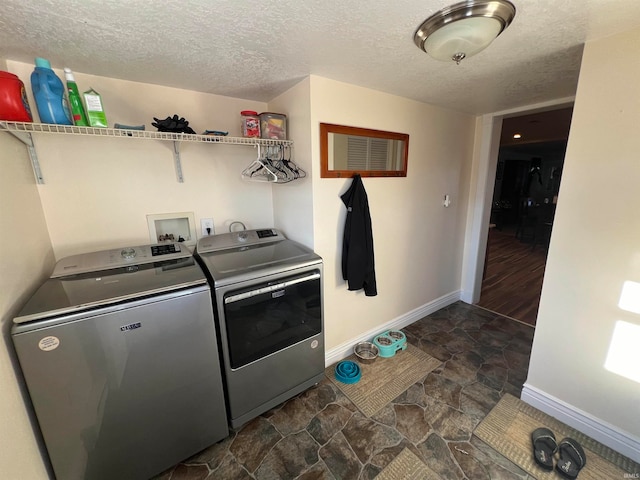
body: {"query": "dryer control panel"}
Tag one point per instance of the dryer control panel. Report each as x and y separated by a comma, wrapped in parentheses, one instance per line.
(224, 241)
(119, 257)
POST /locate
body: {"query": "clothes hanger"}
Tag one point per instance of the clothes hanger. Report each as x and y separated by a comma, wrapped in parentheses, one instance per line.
(284, 174)
(297, 172)
(258, 171)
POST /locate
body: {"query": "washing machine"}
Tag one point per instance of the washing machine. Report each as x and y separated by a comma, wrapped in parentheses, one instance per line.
(120, 357)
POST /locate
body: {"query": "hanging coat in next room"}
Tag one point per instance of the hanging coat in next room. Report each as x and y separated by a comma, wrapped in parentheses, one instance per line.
(357, 246)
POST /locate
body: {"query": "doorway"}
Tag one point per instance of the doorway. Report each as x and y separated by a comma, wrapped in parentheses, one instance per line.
(525, 194)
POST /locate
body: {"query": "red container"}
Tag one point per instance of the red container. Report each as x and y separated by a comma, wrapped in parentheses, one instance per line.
(14, 105)
(250, 123)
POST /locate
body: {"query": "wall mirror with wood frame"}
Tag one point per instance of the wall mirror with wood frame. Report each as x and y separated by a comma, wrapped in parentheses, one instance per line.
(345, 151)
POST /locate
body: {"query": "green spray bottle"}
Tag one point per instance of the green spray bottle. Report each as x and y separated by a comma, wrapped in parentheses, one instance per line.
(75, 102)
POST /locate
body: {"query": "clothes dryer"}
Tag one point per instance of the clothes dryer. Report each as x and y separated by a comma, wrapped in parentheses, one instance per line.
(268, 303)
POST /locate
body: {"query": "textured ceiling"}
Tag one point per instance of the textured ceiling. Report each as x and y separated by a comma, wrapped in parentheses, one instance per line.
(257, 50)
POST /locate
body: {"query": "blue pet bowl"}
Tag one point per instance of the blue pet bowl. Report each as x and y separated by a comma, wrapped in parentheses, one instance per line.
(348, 372)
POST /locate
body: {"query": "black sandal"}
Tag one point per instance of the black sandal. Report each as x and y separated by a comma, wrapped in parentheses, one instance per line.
(572, 458)
(544, 446)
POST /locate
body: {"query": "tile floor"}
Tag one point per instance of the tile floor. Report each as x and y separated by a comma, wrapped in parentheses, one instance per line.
(321, 435)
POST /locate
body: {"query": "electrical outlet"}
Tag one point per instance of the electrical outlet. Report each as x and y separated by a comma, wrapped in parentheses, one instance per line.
(206, 224)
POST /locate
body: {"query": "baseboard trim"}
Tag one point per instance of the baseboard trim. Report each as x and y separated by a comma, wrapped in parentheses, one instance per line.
(466, 296)
(605, 433)
(346, 348)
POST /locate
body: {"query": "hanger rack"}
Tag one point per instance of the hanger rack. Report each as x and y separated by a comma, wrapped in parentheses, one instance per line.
(273, 164)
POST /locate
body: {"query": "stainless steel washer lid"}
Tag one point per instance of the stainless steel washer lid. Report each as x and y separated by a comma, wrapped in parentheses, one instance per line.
(97, 279)
(239, 256)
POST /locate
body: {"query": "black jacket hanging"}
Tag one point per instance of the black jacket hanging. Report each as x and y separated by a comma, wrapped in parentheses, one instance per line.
(357, 247)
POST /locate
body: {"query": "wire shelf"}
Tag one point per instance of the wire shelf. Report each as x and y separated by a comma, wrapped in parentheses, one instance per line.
(26, 127)
(23, 130)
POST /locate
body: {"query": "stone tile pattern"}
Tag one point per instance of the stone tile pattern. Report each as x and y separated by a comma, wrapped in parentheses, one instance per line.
(320, 434)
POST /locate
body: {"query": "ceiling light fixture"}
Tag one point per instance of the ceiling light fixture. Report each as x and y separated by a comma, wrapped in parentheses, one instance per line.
(517, 135)
(464, 29)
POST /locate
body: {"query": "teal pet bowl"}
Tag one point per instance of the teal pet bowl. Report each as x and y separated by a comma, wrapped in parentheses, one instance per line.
(390, 342)
(348, 372)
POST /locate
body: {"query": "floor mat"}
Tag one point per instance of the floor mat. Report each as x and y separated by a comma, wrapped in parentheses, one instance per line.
(406, 466)
(508, 426)
(386, 378)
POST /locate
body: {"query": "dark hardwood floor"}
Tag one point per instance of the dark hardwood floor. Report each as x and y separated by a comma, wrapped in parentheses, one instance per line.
(513, 277)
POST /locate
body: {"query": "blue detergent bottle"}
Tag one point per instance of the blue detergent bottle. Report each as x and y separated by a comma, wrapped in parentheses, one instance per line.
(49, 94)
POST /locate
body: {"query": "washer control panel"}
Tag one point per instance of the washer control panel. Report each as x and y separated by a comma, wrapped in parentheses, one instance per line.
(120, 257)
(165, 249)
(267, 233)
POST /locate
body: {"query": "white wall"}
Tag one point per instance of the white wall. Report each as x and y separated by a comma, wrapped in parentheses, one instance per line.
(293, 202)
(483, 174)
(418, 243)
(595, 246)
(26, 258)
(98, 191)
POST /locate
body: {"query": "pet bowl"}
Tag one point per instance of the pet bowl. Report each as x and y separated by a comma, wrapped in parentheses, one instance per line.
(390, 342)
(366, 352)
(347, 372)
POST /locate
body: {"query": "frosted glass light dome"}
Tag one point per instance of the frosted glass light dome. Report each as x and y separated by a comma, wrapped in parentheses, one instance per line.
(467, 37)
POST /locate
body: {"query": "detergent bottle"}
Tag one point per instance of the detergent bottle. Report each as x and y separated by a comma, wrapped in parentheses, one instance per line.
(14, 105)
(77, 110)
(48, 92)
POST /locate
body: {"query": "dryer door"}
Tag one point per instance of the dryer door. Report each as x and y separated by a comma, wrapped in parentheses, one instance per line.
(266, 318)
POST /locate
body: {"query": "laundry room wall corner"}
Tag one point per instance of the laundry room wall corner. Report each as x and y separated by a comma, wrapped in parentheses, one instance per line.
(293, 202)
(26, 258)
(120, 181)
